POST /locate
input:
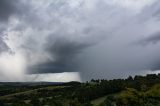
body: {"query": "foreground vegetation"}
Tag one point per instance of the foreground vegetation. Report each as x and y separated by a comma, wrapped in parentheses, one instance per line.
(137, 91)
(132, 97)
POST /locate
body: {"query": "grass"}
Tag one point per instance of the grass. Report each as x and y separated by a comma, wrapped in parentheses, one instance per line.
(98, 101)
(31, 91)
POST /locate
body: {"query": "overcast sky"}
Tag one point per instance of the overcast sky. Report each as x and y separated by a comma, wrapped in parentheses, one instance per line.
(63, 40)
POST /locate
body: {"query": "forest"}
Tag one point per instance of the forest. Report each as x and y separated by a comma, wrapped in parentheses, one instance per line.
(132, 91)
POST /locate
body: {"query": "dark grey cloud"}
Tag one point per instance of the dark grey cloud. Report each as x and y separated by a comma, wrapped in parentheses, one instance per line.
(3, 46)
(7, 8)
(153, 39)
(155, 10)
(65, 53)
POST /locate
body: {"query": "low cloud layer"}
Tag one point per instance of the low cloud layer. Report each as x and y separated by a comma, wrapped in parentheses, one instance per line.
(98, 39)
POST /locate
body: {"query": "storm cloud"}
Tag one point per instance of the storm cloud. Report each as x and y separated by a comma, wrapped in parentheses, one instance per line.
(7, 8)
(98, 39)
(155, 38)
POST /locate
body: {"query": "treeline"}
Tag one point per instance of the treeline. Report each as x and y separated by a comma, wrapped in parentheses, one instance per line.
(132, 97)
(98, 88)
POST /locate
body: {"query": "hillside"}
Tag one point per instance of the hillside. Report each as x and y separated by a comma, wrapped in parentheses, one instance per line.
(137, 91)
